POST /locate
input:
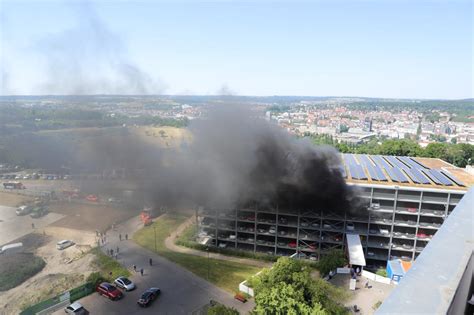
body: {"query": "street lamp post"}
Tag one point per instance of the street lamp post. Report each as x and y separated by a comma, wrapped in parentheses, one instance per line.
(208, 266)
(154, 230)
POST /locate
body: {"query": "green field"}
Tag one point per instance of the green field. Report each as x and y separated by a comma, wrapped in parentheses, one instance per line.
(16, 268)
(225, 274)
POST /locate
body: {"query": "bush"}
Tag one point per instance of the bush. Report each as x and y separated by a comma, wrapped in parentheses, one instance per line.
(381, 272)
(331, 261)
(220, 309)
(95, 278)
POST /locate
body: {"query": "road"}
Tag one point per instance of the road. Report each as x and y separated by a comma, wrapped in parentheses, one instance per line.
(182, 291)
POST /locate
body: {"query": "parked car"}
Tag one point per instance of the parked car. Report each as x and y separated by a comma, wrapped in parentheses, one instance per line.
(375, 206)
(76, 308)
(23, 210)
(92, 198)
(421, 235)
(222, 245)
(384, 231)
(124, 283)
(350, 226)
(272, 230)
(148, 296)
(64, 244)
(108, 290)
(292, 244)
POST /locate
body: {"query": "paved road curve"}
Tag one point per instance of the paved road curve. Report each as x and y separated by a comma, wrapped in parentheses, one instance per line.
(182, 291)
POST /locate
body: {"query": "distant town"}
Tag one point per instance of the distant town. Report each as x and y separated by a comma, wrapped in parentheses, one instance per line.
(348, 120)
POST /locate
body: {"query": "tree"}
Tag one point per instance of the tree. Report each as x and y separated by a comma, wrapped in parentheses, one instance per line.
(284, 298)
(331, 261)
(288, 288)
(220, 309)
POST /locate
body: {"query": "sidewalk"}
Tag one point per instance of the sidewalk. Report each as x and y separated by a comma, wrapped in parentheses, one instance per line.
(170, 244)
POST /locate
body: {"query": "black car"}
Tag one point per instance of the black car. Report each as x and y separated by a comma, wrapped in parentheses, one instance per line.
(148, 296)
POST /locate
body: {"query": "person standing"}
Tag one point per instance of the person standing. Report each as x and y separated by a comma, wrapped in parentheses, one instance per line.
(126, 237)
(117, 249)
(135, 268)
(120, 237)
(141, 271)
(32, 225)
(151, 262)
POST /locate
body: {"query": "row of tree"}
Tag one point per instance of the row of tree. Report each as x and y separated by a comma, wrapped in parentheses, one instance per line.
(460, 154)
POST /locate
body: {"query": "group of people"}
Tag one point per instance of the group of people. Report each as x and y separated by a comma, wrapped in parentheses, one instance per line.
(150, 261)
(120, 237)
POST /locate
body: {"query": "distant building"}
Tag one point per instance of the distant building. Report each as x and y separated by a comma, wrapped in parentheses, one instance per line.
(368, 124)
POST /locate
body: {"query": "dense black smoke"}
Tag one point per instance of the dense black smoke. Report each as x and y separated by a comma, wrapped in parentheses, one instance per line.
(234, 158)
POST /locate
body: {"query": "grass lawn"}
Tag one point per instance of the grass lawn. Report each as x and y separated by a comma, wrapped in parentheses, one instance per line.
(16, 268)
(106, 264)
(224, 274)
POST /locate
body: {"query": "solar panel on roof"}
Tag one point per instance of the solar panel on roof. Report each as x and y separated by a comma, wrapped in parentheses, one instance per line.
(372, 173)
(401, 176)
(353, 171)
(412, 164)
(422, 178)
(413, 177)
(360, 171)
(393, 176)
(381, 162)
(379, 172)
(443, 179)
(395, 162)
(453, 178)
(432, 177)
(421, 165)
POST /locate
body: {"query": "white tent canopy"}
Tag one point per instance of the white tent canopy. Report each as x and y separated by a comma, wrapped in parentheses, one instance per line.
(354, 247)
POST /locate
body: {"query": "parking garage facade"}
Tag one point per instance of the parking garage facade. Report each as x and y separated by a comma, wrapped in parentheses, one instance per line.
(399, 222)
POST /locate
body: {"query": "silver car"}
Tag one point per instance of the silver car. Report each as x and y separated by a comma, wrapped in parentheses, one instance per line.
(124, 283)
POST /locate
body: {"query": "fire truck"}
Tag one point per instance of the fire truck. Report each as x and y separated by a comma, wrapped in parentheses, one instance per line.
(146, 216)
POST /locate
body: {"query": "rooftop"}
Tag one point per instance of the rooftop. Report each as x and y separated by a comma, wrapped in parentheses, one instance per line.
(405, 171)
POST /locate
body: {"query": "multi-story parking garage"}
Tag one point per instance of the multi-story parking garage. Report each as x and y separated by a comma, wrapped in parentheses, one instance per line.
(407, 200)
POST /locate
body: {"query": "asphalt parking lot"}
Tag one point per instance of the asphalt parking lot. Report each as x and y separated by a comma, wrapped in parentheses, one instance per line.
(13, 226)
(182, 292)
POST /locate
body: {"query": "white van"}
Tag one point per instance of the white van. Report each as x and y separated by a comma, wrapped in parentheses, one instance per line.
(64, 244)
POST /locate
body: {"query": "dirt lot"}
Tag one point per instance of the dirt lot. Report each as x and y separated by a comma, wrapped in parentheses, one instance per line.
(90, 217)
(365, 298)
(13, 200)
(64, 269)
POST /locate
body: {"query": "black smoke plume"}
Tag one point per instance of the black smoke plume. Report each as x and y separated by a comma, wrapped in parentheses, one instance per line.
(232, 158)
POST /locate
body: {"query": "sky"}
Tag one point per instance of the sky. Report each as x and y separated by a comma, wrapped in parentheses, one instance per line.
(393, 49)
